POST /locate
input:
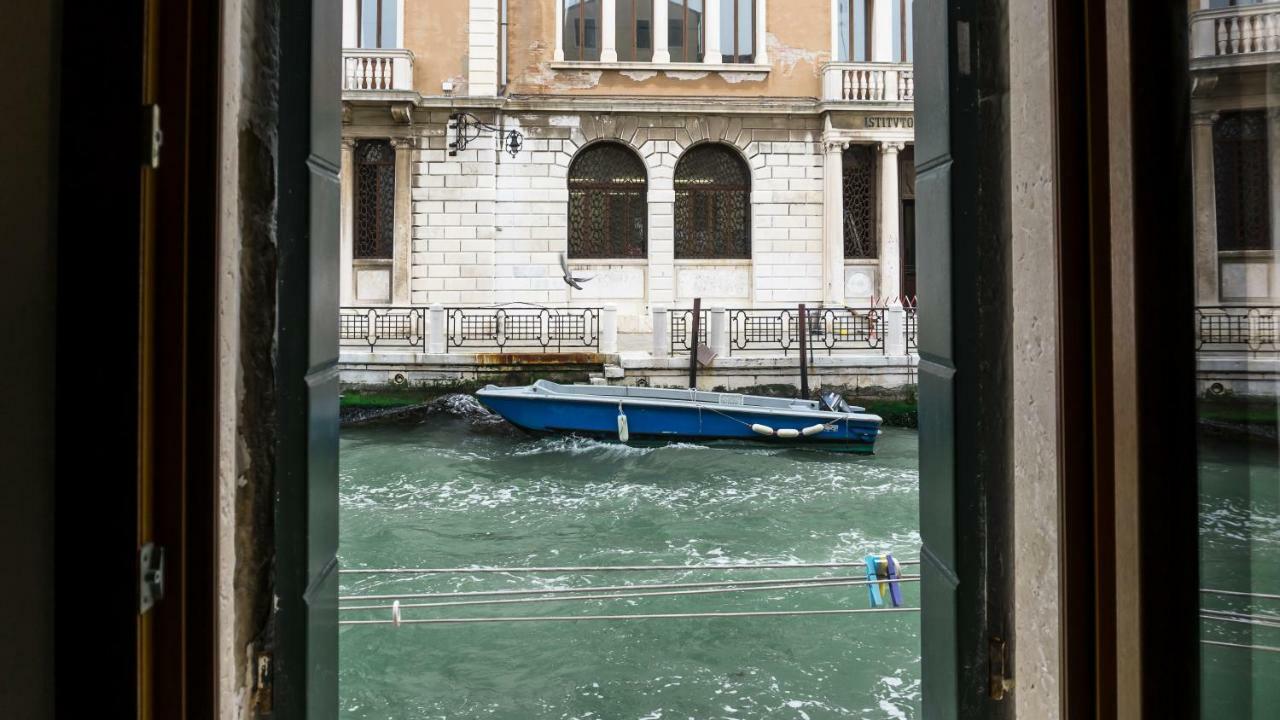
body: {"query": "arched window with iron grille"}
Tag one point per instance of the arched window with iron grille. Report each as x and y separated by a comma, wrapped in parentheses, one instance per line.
(713, 204)
(608, 203)
(375, 190)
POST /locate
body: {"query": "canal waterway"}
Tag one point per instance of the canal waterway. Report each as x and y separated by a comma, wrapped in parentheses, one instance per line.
(459, 487)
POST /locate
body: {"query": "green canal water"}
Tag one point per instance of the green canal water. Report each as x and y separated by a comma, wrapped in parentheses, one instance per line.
(461, 488)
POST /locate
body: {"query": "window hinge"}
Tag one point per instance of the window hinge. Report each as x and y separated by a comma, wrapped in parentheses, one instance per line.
(152, 137)
(150, 576)
(262, 683)
(998, 658)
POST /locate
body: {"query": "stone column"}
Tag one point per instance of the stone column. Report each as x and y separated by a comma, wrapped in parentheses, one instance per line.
(1204, 199)
(762, 46)
(661, 332)
(609, 32)
(609, 330)
(558, 54)
(438, 330)
(718, 331)
(895, 331)
(402, 223)
(346, 223)
(712, 54)
(890, 253)
(661, 43)
(882, 30)
(833, 223)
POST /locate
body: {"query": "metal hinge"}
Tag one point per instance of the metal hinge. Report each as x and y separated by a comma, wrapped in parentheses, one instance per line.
(150, 576)
(998, 659)
(152, 137)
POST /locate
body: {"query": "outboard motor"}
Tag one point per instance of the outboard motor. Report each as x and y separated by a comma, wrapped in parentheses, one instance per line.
(835, 403)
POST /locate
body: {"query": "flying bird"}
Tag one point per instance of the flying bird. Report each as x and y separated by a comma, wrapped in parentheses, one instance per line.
(569, 279)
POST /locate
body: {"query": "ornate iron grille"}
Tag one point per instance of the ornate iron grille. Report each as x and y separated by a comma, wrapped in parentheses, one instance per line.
(385, 327)
(1242, 181)
(608, 205)
(912, 320)
(1238, 328)
(713, 204)
(523, 328)
(860, 202)
(375, 188)
(829, 329)
(681, 322)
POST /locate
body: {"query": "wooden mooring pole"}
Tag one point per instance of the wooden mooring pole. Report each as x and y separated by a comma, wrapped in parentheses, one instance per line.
(804, 353)
(693, 344)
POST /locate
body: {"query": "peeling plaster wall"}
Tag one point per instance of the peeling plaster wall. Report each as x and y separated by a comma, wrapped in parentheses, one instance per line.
(797, 44)
(436, 32)
(246, 344)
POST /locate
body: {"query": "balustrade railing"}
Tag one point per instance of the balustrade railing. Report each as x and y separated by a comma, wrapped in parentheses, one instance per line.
(912, 320)
(1237, 328)
(1236, 31)
(377, 69)
(869, 82)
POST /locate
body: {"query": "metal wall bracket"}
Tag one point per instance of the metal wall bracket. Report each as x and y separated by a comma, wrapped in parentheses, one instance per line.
(467, 127)
(998, 659)
(150, 576)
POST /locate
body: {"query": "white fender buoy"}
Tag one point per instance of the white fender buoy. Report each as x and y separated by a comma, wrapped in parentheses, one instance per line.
(788, 433)
(813, 430)
(762, 429)
(624, 433)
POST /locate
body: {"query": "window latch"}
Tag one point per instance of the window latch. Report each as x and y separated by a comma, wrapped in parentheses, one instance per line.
(150, 576)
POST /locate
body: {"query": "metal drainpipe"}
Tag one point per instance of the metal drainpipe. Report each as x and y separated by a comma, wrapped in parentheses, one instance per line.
(502, 47)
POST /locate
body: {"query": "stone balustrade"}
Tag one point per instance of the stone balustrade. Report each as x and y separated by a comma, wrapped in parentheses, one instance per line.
(868, 82)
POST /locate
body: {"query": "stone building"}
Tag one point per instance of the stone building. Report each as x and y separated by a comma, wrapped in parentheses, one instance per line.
(1235, 131)
(748, 152)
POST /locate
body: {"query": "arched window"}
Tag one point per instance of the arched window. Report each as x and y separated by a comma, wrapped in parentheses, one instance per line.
(608, 203)
(713, 204)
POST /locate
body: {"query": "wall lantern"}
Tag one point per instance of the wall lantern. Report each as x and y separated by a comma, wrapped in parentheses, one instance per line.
(467, 127)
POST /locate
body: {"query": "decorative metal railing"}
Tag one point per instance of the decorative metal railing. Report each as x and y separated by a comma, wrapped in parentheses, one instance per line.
(761, 330)
(391, 328)
(869, 82)
(523, 328)
(1237, 328)
(912, 321)
(681, 322)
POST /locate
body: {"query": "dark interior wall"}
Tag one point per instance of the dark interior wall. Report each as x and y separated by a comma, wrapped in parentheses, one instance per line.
(28, 110)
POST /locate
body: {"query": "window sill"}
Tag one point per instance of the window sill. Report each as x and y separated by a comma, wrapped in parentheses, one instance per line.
(661, 67)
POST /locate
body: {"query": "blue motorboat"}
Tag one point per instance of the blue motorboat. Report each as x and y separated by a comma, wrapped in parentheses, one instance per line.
(639, 414)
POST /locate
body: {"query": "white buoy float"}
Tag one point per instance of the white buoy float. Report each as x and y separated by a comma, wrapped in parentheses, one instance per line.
(624, 433)
(787, 432)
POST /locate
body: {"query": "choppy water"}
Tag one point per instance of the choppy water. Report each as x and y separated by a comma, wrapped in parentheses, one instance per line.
(462, 489)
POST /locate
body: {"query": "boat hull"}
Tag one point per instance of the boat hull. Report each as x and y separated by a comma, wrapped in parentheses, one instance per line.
(664, 422)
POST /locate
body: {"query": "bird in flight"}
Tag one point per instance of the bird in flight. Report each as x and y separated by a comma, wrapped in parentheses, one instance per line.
(568, 275)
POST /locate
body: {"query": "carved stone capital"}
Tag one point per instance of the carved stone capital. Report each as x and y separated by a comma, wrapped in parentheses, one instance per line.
(891, 147)
(1204, 118)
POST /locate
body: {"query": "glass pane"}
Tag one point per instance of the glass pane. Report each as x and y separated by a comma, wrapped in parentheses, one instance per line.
(390, 27)
(843, 30)
(684, 30)
(1235, 164)
(581, 30)
(737, 31)
(634, 28)
(369, 23)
